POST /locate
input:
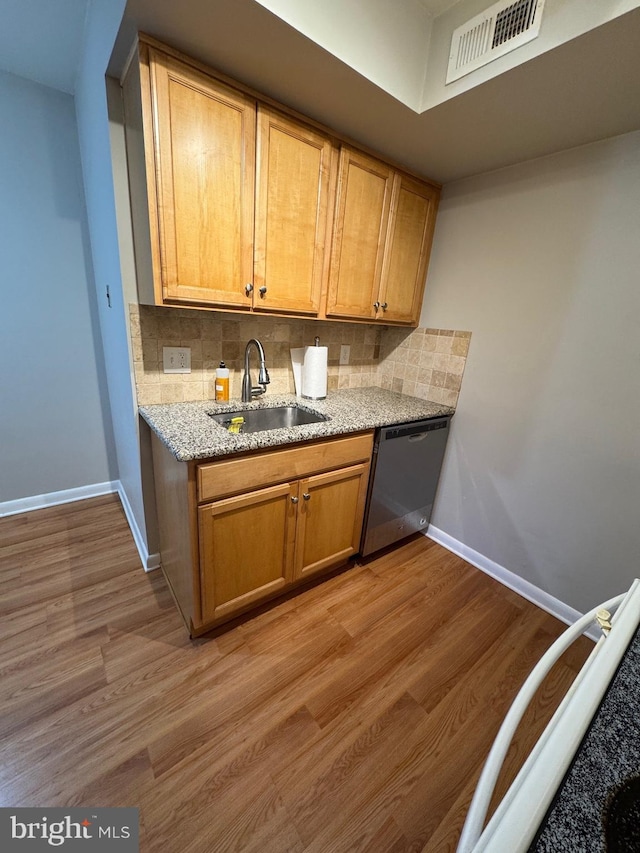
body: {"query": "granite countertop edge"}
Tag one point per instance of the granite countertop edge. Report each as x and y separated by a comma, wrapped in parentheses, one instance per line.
(189, 433)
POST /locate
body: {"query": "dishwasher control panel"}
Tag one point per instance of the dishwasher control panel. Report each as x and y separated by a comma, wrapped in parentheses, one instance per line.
(414, 429)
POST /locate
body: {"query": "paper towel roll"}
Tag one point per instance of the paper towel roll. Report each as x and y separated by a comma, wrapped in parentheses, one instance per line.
(314, 373)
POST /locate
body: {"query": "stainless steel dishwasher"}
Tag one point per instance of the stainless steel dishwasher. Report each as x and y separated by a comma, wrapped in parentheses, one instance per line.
(404, 477)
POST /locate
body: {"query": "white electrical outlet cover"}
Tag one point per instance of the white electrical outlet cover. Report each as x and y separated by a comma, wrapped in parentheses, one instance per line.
(345, 352)
(176, 359)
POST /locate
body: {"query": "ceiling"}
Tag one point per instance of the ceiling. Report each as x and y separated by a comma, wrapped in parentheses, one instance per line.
(578, 93)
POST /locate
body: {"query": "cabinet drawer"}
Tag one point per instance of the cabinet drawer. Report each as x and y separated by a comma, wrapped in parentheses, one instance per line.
(232, 476)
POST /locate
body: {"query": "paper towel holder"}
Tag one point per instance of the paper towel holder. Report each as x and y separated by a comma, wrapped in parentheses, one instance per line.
(320, 384)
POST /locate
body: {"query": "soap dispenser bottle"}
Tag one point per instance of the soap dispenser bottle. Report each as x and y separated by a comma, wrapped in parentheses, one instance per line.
(222, 382)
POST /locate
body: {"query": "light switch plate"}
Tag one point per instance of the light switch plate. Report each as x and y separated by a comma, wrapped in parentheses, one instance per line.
(345, 352)
(176, 359)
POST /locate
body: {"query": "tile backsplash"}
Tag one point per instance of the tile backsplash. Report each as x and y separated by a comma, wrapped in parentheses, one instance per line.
(426, 363)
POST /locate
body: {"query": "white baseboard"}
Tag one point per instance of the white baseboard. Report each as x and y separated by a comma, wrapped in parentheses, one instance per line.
(149, 561)
(56, 498)
(527, 590)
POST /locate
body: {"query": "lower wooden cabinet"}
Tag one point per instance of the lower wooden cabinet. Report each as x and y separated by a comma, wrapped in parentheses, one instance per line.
(329, 522)
(238, 531)
(254, 545)
(246, 549)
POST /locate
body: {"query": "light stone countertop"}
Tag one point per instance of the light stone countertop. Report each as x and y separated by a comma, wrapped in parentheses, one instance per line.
(189, 433)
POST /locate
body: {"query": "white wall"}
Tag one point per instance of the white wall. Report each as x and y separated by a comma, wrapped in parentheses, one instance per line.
(103, 20)
(562, 20)
(404, 49)
(55, 426)
(540, 261)
(386, 42)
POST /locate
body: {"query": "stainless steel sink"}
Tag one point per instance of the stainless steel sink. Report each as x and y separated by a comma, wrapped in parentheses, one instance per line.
(258, 420)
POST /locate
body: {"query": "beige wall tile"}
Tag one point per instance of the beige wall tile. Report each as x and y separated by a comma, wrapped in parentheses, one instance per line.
(460, 347)
(168, 326)
(149, 394)
(452, 381)
(150, 353)
(172, 393)
(426, 359)
(411, 373)
(190, 328)
(441, 361)
(136, 348)
(418, 361)
(444, 343)
(149, 321)
(456, 364)
(449, 398)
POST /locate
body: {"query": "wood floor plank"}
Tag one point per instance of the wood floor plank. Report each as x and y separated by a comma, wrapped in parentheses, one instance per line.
(396, 636)
(354, 716)
(355, 772)
(215, 778)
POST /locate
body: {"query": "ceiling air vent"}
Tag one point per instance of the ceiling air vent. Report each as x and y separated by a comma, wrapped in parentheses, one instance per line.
(494, 32)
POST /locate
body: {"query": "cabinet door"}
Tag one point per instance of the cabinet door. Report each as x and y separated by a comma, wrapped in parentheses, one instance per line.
(204, 137)
(246, 549)
(330, 511)
(360, 225)
(408, 244)
(292, 189)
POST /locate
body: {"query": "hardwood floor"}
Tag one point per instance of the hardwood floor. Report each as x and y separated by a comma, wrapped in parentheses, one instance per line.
(353, 717)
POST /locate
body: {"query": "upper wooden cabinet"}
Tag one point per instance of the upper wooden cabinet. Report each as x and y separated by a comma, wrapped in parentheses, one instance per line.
(360, 224)
(292, 194)
(236, 193)
(407, 248)
(204, 151)
(383, 228)
(241, 206)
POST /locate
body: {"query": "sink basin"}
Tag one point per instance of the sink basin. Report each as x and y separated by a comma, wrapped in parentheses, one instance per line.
(280, 417)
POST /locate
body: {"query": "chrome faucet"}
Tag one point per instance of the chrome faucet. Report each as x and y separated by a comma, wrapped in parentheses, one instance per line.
(248, 389)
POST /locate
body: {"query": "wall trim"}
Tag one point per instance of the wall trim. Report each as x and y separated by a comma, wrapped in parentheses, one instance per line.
(150, 562)
(527, 590)
(94, 490)
(65, 496)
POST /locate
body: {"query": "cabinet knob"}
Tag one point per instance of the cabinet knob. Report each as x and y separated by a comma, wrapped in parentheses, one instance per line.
(376, 305)
(306, 496)
(248, 289)
(294, 500)
(263, 290)
(384, 306)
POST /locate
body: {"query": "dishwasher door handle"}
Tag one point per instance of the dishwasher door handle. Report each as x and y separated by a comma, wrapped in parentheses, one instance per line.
(419, 436)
